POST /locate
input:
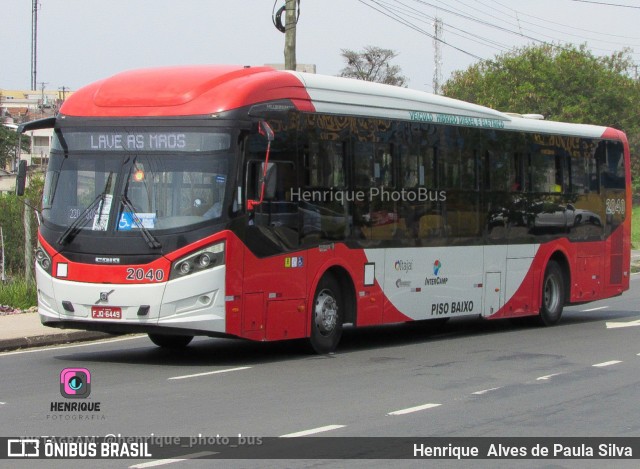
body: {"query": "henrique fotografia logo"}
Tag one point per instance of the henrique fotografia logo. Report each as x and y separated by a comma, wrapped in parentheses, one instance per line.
(75, 383)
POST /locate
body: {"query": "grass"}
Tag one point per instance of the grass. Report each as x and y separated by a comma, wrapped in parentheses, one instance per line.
(19, 294)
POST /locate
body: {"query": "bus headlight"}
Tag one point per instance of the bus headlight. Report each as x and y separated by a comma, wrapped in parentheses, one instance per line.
(43, 259)
(203, 259)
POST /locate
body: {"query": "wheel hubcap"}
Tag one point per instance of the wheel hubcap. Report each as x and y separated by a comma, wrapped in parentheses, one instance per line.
(551, 294)
(326, 312)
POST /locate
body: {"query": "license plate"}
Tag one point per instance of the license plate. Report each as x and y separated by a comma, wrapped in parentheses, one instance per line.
(106, 312)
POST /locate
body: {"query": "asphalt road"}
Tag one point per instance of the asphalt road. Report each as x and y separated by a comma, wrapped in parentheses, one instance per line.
(466, 378)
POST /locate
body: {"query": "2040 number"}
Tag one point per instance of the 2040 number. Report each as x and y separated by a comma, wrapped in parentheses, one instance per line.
(614, 206)
(151, 275)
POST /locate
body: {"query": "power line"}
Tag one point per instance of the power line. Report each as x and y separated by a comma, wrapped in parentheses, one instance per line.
(395, 17)
(539, 26)
(560, 24)
(607, 4)
(423, 17)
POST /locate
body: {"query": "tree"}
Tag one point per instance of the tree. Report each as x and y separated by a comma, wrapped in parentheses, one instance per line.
(8, 145)
(565, 83)
(373, 64)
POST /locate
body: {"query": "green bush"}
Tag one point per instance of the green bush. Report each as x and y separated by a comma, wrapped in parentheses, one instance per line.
(12, 210)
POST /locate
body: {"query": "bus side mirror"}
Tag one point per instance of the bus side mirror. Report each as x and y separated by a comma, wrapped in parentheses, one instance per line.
(21, 177)
(264, 129)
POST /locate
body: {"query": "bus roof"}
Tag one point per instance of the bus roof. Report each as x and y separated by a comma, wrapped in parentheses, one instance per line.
(211, 89)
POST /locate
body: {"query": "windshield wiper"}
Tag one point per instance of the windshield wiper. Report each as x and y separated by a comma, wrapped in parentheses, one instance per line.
(82, 220)
(151, 240)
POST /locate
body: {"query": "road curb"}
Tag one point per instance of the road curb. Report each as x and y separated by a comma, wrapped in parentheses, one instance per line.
(17, 343)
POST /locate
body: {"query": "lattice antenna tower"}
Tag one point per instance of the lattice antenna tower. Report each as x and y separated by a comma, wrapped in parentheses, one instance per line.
(437, 55)
(35, 5)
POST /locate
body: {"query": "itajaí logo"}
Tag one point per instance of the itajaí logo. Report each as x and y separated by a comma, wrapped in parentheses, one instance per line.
(403, 266)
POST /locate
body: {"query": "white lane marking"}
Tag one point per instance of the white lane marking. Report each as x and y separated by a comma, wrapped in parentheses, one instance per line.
(313, 431)
(60, 347)
(162, 462)
(547, 377)
(609, 363)
(2, 403)
(414, 409)
(484, 391)
(615, 325)
(211, 373)
(594, 309)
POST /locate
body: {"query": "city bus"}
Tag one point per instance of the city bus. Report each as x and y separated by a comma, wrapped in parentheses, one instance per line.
(246, 202)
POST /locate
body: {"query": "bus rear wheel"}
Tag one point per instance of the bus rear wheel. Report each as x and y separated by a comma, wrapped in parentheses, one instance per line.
(326, 316)
(553, 294)
(171, 341)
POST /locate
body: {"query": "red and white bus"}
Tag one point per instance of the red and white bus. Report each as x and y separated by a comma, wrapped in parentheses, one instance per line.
(247, 202)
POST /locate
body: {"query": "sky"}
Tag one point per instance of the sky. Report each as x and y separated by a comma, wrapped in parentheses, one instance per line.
(81, 41)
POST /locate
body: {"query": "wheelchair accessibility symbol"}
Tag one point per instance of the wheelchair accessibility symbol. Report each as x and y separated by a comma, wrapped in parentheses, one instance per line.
(126, 222)
(132, 221)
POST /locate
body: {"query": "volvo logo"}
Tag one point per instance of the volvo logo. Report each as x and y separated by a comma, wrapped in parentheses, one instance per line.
(104, 296)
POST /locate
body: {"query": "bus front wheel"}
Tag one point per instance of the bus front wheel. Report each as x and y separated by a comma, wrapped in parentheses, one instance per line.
(326, 317)
(171, 341)
(553, 294)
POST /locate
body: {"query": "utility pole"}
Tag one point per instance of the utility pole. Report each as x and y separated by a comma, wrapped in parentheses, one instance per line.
(291, 20)
(34, 42)
(43, 84)
(437, 56)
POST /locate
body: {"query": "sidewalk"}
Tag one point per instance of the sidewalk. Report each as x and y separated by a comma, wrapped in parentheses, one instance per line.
(18, 331)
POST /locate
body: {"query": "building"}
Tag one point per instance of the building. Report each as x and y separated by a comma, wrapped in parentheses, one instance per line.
(19, 106)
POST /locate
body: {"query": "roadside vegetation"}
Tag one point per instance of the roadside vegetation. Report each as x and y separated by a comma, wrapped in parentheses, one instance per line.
(17, 286)
(635, 228)
(17, 294)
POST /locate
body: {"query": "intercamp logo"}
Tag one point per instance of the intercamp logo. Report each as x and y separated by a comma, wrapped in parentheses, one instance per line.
(436, 280)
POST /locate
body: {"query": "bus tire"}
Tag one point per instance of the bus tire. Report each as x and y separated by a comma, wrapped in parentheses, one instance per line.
(553, 294)
(326, 316)
(171, 341)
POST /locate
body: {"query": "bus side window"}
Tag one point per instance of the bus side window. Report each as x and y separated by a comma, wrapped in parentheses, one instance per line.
(382, 166)
(498, 173)
(324, 211)
(518, 178)
(277, 208)
(612, 165)
(325, 165)
(364, 169)
(546, 172)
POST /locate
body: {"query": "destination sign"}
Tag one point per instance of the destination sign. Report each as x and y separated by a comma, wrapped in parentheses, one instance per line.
(452, 119)
(144, 141)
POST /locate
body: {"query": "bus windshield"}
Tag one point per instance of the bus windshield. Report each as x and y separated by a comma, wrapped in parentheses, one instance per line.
(121, 191)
